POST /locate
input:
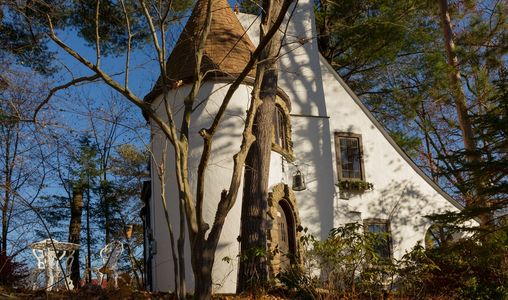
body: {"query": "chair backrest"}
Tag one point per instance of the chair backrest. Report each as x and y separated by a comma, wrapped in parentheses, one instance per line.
(111, 253)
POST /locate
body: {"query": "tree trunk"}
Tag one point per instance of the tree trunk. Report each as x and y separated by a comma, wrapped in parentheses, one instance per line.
(461, 108)
(253, 244)
(88, 236)
(106, 203)
(7, 194)
(203, 280)
(5, 215)
(75, 231)
(182, 286)
(455, 80)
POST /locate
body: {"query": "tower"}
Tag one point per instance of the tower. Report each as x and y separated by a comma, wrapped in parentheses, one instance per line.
(226, 52)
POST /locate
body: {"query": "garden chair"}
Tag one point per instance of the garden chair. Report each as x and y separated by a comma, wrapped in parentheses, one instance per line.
(110, 255)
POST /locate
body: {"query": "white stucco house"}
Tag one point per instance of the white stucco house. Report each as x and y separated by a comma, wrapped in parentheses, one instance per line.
(321, 129)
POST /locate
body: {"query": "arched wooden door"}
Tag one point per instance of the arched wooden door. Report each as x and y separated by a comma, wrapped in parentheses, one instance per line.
(286, 234)
(284, 231)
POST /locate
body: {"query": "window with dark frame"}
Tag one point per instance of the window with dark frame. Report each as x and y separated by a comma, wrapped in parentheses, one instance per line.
(382, 242)
(280, 129)
(348, 147)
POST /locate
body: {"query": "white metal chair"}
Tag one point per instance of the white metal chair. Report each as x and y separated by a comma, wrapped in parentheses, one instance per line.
(110, 255)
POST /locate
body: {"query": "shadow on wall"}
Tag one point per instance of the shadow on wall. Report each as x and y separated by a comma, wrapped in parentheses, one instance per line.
(229, 131)
(405, 207)
(301, 79)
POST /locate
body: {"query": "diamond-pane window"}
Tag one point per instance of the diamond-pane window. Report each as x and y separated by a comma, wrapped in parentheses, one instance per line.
(349, 156)
(279, 129)
(382, 242)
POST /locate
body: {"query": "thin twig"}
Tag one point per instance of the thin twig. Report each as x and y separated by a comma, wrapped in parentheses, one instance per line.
(129, 38)
(61, 87)
(97, 36)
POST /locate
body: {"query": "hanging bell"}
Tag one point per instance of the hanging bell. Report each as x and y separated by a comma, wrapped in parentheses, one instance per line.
(298, 181)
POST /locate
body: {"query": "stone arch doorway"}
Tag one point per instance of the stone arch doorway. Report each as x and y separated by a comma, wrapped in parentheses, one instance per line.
(284, 232)
(286, 239)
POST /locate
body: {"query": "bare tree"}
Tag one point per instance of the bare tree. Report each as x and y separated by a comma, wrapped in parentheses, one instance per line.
(203, 246)
(22, 149)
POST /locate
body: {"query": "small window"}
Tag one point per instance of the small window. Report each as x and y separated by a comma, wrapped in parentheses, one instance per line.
(348, 147)
(381, 237)
(280, 129)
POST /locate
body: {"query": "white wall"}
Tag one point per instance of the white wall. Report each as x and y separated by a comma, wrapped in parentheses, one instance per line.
(321, 105)
(226, 143)
(400, 194)
(300, 78)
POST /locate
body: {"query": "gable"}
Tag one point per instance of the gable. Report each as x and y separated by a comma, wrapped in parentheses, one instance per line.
(328, 71)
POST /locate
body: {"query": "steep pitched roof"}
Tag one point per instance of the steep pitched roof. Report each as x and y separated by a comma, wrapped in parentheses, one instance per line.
(227, 47)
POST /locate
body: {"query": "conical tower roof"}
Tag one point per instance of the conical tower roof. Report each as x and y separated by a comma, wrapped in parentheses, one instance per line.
(227, 47)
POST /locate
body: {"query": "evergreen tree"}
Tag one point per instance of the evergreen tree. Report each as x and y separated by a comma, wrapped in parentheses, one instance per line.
(23, 27)
(394, 56)
(129, 168)
(77, 171)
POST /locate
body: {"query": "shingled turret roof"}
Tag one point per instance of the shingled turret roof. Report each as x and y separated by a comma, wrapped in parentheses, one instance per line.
(227, 47)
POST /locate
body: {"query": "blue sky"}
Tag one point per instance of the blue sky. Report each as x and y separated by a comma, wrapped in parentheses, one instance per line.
(144, 71)
(71, 104)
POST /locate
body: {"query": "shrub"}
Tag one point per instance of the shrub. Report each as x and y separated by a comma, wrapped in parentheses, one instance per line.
(473, 268)
(347, 266)
(11, 272)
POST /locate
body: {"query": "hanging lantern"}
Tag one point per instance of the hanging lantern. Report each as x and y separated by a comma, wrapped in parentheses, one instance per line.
(299, 181)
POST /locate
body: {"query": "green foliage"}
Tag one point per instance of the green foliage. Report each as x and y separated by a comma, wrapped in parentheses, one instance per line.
(87, 161)
(392, 54)
(492, 170)
(355, 185)
(112, 27)
(348, 262)
(80, 173)
(488, 176)
(473, 268)
(414, 270)
(347, 266)
(298, 282)
(129, 168)
(22, 33)
(253, 7)
(409, 143)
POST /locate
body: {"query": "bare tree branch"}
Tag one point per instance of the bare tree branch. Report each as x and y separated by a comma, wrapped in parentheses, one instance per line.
(61, 87)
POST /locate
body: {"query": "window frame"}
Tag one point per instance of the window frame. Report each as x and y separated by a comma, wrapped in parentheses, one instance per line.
(287, 150)
(280, 132)
(385, 222)
(338, 158)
